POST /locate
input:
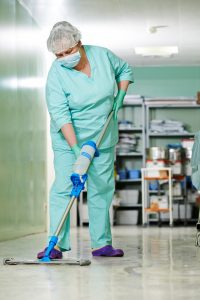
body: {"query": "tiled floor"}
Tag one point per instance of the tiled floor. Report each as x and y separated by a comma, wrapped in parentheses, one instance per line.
(159, 263)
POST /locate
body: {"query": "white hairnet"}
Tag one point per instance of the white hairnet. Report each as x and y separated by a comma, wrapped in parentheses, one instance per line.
(62, 37)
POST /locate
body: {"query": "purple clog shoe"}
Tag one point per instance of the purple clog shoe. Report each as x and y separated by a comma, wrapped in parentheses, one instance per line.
(55, 254)
(108, 251)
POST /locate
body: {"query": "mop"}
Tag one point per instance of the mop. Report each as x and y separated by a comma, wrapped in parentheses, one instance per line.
(78, 178)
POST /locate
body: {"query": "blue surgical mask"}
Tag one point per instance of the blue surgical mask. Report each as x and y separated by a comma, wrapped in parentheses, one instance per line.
(71, 60)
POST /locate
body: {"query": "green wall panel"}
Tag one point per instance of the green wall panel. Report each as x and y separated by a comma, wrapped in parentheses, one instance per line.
(166, 81)
(22, 125)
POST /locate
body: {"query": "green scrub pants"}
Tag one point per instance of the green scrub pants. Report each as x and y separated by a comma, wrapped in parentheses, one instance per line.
(100, 190)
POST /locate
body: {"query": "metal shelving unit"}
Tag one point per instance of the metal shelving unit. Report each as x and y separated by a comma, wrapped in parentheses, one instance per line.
(134, 112)
(140, 113)
(186, 113)
(127, 112)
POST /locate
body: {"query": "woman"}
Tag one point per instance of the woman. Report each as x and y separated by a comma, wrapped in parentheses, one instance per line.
(80, 95)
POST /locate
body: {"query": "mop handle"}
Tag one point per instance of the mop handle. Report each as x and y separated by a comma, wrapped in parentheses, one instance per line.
(104, 129)
(73, 198)
(67, 210)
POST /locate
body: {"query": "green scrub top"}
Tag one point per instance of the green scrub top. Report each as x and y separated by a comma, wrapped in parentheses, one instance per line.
(73, 97)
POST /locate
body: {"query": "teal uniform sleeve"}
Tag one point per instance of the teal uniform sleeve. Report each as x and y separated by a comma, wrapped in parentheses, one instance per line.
(195, 161)
(57, 101)
(121, 68)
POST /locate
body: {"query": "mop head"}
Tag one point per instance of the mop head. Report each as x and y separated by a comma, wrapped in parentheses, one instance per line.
(81, 262)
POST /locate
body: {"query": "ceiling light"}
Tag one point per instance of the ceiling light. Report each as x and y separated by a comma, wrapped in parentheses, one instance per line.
(156, 51)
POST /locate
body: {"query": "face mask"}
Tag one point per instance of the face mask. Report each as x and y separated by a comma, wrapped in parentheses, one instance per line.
(70, 61)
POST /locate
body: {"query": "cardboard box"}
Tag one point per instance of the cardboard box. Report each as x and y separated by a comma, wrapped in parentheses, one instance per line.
(128, 217)
(160, 201)
(128, 197)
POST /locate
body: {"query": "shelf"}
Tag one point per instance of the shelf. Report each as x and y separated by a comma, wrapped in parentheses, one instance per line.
(129, 180)
(178, 198)
(178, 177)
(137, 129)
(163, 178)
(159, 210)
(156, 178)
(123, 207)
(171, 105)
(129, 154)
(164, 192)
(171, 134)
(156, 191)
(135, 103)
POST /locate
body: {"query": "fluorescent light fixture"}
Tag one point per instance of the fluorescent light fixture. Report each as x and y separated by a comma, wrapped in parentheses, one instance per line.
(156, 51)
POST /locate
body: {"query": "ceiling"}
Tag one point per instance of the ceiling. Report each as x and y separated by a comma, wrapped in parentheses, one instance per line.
(122, 25)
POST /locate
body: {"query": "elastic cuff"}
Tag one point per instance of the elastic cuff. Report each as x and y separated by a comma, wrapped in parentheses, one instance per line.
(128, 78)
(121, 93)
(75, 147)
(101, 245)
(76, 150)
(63, 249)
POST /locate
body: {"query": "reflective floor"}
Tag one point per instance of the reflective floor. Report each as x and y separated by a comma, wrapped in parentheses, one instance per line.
(159, 263)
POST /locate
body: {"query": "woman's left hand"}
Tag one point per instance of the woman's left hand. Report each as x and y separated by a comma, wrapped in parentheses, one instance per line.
(118, 102)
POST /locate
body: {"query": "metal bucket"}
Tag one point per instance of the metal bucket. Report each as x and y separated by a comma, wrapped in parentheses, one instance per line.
(176, 154)
(177, 160)
(188, 153)
(155, 153)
